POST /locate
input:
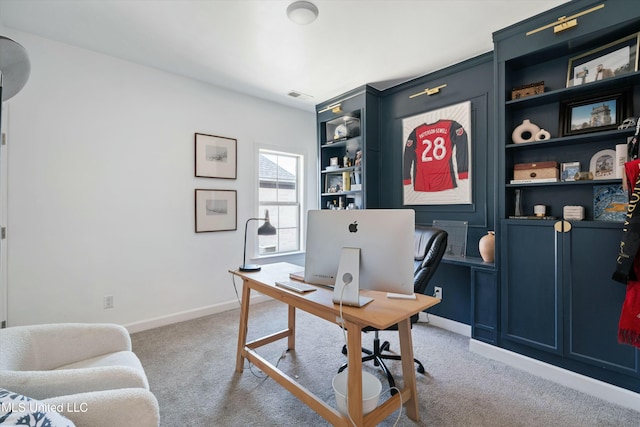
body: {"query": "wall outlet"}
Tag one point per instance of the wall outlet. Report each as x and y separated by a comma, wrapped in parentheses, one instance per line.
(423, 317)
(108, 301)
(437, 292)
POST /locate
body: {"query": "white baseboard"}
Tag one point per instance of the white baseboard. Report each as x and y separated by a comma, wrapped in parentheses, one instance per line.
(449, 325)
(582, 383)
(183, 316)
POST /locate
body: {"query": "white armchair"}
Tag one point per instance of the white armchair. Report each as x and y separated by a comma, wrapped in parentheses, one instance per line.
(77, 363)
(123, 407)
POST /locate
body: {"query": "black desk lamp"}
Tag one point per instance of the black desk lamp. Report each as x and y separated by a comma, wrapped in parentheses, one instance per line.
(265, 229)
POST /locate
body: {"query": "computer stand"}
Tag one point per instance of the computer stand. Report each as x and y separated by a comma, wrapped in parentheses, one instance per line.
(377, 356)
(347, 286)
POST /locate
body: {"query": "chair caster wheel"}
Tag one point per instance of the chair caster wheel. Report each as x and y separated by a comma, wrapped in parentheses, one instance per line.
(421, 369)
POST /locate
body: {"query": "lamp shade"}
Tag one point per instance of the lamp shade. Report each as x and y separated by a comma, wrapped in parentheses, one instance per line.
(266, 229)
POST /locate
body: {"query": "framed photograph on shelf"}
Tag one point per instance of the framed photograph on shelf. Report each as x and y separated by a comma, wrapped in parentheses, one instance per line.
(216, 210)
(215, 156)
(611, 60)
(333, 183)
(569, 171)
(595, 114)
(603, 164)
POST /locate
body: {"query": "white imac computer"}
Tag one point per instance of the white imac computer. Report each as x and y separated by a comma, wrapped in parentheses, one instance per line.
(361, 249)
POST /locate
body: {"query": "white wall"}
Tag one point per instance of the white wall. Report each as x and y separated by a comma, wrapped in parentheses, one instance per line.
(101, 187)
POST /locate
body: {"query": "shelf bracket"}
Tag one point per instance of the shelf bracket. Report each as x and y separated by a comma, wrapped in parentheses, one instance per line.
(428, 91)
(565, 22)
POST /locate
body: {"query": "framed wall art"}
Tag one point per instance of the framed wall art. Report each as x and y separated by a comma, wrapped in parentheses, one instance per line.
(611, 60)
(215, 156)
(436, 166)
(595, 114)
(215, 210)
(610, 203)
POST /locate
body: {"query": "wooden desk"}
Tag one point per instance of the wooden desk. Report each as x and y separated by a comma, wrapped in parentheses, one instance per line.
(380, 313)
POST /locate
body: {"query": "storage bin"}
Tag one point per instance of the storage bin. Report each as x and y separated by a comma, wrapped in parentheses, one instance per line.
(537, 170)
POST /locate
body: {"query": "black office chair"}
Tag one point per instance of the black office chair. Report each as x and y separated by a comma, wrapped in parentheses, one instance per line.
(430, 245)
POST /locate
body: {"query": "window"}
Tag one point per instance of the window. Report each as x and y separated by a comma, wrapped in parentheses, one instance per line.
(279, 179)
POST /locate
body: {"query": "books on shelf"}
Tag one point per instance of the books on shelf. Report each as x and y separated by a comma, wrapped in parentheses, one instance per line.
(531, 217)
(533, 181)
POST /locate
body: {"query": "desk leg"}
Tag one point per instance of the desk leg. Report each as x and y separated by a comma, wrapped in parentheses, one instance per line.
(408, 369)
(354, 382)
(292, 328)
(244, 323)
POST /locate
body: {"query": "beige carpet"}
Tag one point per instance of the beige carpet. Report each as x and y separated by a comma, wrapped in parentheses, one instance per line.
(191, 365)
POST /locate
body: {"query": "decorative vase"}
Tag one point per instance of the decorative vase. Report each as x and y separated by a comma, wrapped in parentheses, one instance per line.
(518, 203)
(542, 135)
(487, 246)
(524, 132)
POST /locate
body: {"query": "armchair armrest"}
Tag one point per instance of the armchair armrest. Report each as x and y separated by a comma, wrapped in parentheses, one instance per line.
(46, 384)
(44, 347)
(123, 407)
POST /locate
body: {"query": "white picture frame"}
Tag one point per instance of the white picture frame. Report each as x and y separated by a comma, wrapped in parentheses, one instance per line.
(603, 165)
(423, 154)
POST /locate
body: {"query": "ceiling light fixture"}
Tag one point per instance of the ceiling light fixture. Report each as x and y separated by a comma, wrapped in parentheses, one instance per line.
(302, 12)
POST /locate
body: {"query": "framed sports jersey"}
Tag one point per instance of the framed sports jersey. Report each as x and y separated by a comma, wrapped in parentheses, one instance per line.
(436, 157)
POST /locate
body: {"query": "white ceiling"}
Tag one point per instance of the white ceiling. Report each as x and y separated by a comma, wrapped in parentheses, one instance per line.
(250, 46)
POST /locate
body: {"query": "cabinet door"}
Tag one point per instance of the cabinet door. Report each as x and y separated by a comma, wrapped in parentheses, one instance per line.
(594, 300)
(484, 311)
(530, 287)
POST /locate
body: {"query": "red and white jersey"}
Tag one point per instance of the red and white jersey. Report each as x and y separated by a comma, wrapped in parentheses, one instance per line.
(430, 149)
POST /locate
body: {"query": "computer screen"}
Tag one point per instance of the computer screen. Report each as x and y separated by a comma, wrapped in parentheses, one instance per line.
(385, 238)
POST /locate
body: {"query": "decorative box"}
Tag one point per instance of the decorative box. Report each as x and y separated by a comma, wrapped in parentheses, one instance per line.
(527, 90)
(573, 213)
(537, 170)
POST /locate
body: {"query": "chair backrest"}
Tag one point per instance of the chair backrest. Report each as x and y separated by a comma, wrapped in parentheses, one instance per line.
(430, 245)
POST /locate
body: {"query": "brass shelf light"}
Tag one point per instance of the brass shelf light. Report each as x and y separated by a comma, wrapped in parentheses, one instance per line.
(428, 91)
(565, 22)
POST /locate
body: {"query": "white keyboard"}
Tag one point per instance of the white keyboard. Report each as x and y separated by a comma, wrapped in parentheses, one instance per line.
(299, 287)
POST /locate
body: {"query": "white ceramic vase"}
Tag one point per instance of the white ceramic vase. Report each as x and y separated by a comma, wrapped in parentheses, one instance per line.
(542, 135)
(524, 132)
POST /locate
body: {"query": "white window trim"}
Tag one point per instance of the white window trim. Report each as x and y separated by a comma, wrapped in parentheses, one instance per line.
(302, 196)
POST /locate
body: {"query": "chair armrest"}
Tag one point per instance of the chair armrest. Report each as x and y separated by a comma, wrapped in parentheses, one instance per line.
(123, 407)
(44, 347)
(46, 384)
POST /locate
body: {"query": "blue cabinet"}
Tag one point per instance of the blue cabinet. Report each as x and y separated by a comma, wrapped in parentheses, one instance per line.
(593, 300)
(558, 302)
(558, 295)
(349, 150)
(484, 304)
(531, 292)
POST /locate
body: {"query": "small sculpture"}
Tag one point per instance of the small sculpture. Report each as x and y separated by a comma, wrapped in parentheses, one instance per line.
(542, 135)
(524, 132)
